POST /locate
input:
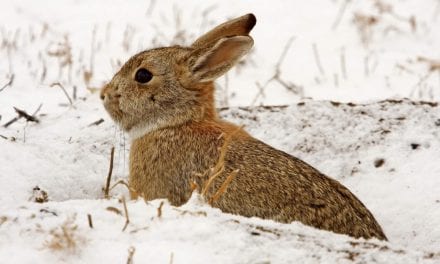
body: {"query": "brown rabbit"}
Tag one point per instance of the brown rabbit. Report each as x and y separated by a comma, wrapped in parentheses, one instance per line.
(164, 99)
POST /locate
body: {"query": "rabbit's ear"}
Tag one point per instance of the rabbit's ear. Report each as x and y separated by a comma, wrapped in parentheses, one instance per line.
(240, 26)
(210, 63)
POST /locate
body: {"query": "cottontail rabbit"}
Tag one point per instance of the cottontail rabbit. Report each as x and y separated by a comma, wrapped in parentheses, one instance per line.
(164, 99)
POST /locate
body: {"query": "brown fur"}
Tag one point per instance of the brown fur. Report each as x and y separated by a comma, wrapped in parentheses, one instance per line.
(180, 136)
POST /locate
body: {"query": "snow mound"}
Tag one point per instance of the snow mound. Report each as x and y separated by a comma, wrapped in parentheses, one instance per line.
(386, 153)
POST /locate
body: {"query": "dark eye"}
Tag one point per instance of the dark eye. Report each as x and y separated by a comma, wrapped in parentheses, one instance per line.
(143, 76)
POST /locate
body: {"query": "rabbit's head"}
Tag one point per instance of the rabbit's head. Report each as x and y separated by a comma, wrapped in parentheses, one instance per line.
(170, 86)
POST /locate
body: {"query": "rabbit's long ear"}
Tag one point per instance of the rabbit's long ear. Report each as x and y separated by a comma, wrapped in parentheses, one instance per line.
(209, 63)
(240, 26)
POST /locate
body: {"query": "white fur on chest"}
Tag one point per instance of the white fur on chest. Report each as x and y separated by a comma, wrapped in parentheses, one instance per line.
(141, 130)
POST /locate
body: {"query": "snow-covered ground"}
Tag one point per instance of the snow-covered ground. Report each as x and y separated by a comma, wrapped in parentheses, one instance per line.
(386, 152)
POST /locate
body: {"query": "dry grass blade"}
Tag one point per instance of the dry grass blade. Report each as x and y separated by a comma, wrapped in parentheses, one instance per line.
(9, 83)
(364, 24)
(64, 91)
(64, 237)
(223, 187)
(159, 209)
(97, 122)
(127, 218)
(193, 184)
(283, 55)
(131, 251)
(434, 65)
(219, 167)
(317, 59)
(123, 183)
(109, 175)
(296, 89)
(213, 176)
(23, 114)
(89, 220)
(114, 210)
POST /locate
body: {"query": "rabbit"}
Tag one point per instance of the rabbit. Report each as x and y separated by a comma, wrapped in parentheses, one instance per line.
(164, 99)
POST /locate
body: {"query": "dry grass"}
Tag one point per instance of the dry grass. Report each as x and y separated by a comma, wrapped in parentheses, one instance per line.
(131, 251)
(276, 77)
(383, 15)
(65, 237)
(39, 195)
(127, 218)
(365, 24)
(109, 175)
(63, 52)
(89, 220)
(217, 170)
(159, 209)
(64, 91)
(223, 187)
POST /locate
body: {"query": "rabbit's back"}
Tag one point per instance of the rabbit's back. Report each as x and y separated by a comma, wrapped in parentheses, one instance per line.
(274, 185)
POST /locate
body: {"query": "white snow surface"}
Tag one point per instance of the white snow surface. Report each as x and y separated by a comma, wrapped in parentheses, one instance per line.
(385, 149)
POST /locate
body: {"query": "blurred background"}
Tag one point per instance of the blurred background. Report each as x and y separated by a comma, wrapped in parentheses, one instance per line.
(338, 50)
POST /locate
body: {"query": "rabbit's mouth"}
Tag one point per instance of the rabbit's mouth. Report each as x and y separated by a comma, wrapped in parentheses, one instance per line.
(113, 109)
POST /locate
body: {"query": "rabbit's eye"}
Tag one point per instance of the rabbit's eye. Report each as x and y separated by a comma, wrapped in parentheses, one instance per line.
(143, 76)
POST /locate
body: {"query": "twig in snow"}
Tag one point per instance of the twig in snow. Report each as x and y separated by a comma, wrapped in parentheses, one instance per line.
(9, 83)
(64, 91)
(23, 114)
(109, 175)
(131, 251)
(317, 60)
(13, 139)
(114, 210)
(159, 210)
(38, 109)
(127, 218)
(89, 219)
(260, 93)
(289, 86)
(97, 122)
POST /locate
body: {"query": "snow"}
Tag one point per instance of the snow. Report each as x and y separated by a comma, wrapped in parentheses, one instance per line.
(383, 148)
